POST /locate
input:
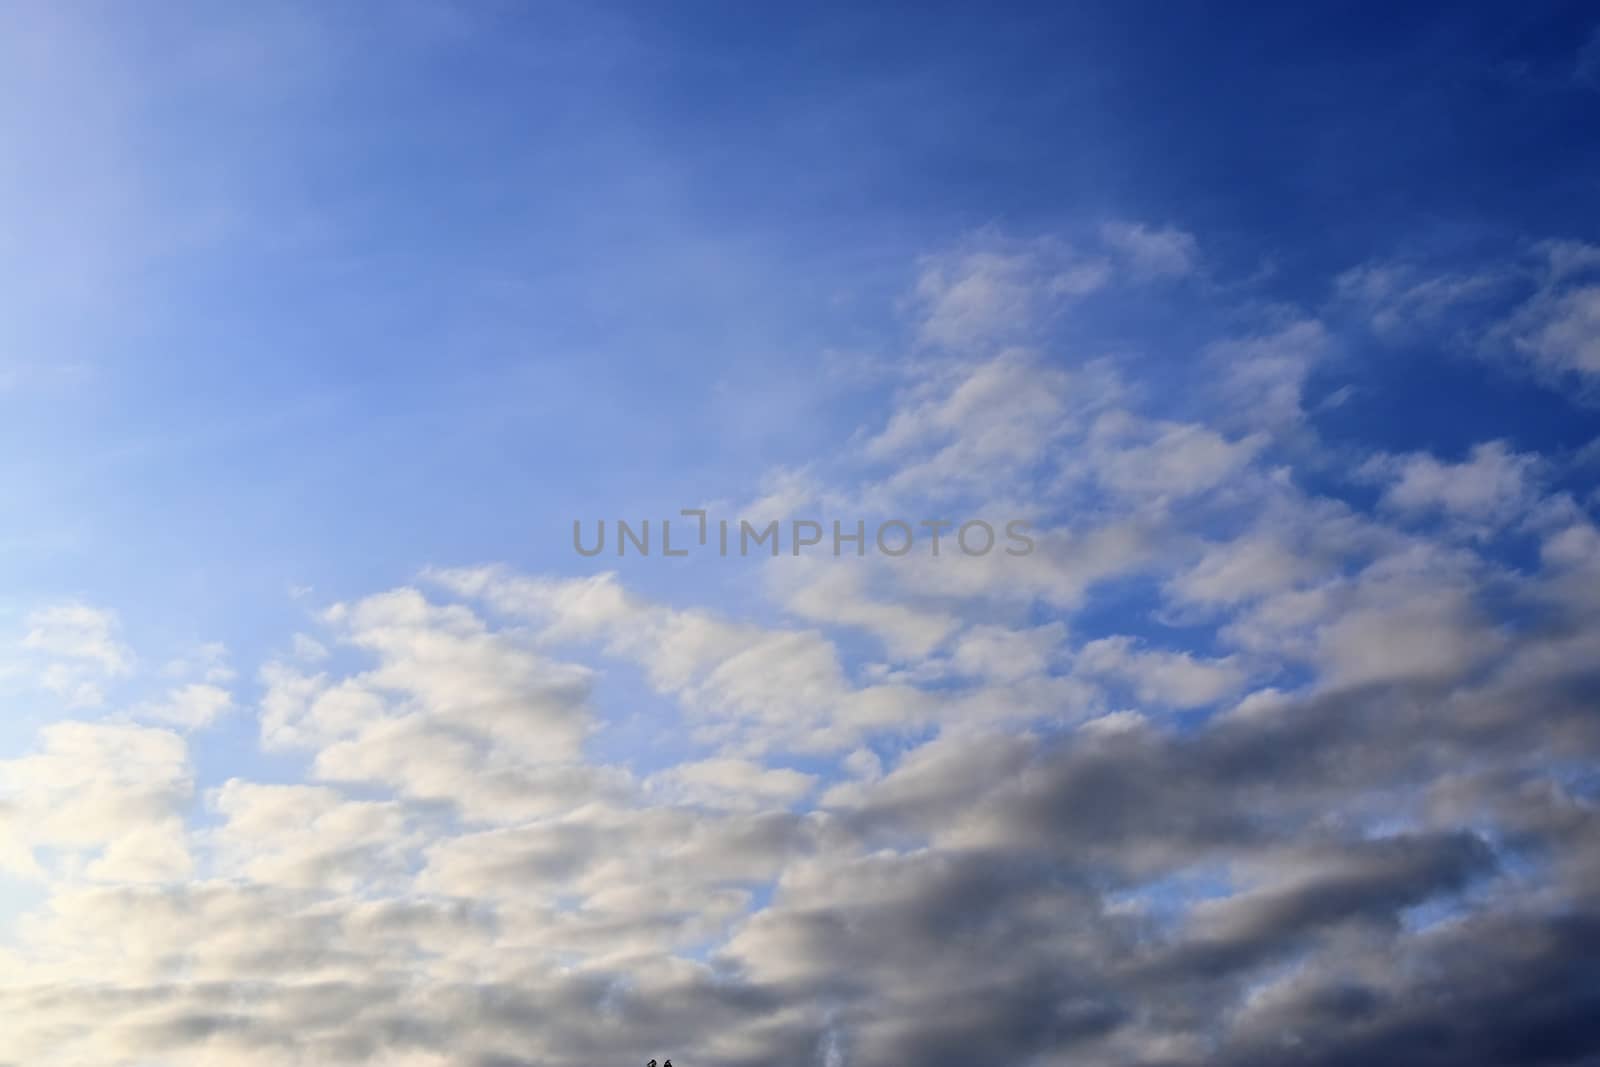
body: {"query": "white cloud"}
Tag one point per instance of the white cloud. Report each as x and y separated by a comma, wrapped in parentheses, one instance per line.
(80, 649)
(1152, 252)
(975, 423)
(1262, 378)
(1145, 458)
(1560, 332)
(106, 795)
(733, 783)
(1006, 654)
(190, 707)
(1170, 679)
(310, 837)
(993, 290)
(1492, 484)
(1242, 569)
(831, 591)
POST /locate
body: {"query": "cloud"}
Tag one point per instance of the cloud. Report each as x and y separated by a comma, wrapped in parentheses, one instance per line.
(80, 648)
(755, 687)
(1493, 484)
(451, 711)
(1558, 331)
(1535, 311)
(973, 422)
(108, 800)
(1246, 764)
(832, 593)
(190, 707)
(1262, 378)
(1243, 569)
(310, 837)
(1156, 458)
(1152, 252)
(994, 289)
(1174, 679)
(734, 783)
(1402, 299)
(77, 631)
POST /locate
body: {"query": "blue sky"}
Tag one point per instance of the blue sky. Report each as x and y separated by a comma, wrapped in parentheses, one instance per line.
(320, 327)
(415, 242)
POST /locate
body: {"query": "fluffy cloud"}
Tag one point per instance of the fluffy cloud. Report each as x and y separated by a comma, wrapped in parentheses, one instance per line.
(1175, 679)
(191, 706)
(105, 800)
(80, 648)
(735, 783)
(1493, 484)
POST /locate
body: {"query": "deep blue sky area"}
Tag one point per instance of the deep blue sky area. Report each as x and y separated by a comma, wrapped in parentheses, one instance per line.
(1433, 120)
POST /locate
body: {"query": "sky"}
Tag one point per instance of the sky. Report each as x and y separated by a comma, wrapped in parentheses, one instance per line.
(324, 327)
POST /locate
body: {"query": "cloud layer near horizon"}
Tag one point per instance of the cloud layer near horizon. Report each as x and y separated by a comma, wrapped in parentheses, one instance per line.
(1230, 771)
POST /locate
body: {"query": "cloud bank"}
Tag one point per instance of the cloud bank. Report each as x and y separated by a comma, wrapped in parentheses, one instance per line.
(1247, 764)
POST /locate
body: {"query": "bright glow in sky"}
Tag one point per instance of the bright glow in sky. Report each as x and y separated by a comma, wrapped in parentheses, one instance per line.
(321, 325)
